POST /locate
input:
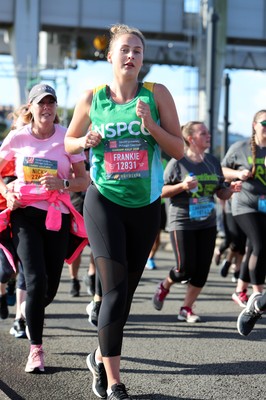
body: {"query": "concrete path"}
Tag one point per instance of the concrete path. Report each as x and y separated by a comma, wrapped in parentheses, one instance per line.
(163, 359)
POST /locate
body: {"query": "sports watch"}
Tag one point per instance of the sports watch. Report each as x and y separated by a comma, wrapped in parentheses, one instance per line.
(66, 183)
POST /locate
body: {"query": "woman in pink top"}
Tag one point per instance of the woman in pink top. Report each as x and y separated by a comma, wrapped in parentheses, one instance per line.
(40, 191)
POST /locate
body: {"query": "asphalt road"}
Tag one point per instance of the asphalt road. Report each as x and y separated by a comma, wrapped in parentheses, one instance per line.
(163, 359)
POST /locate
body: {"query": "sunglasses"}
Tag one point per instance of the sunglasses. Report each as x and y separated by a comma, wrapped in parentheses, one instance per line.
(263, 123)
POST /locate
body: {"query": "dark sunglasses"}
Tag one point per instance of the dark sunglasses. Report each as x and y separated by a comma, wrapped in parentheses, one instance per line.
(263, 123)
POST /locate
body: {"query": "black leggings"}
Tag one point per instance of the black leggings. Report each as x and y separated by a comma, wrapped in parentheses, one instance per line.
(98, 286)
(234, 236)
(6, 270)
(121, 239)
(244, 270)
(254, 226)
(42, 253)
(193, 252)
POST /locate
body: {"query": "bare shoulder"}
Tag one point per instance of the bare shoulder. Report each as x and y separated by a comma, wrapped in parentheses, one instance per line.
(163, 98)
(84, 103)
(86, 97)
(160, 90)
(162, 95)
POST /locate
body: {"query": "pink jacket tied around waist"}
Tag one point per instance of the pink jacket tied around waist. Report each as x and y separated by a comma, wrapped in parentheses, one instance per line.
(29, 195)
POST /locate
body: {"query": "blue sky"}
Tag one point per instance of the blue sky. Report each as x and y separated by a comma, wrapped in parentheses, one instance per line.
(247, 89)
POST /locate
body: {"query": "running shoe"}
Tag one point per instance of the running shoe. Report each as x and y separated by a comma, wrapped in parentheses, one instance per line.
(119, 392)
(89, 281)
(35, 360)
(93, 309)
(11, 292)
(225, 268)
(240, 298)
(75, 287)
(3, 307)
(249, 316)
(159, 296)
(186, 314)
(150, 264)
(19, 328)
(99, 384)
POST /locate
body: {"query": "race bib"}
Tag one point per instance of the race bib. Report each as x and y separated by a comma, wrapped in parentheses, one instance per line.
(262, 204)
(200, 208)
(126, 159)
(34, 168)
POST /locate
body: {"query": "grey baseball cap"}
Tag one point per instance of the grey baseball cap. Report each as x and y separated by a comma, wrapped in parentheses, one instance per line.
(38, 92)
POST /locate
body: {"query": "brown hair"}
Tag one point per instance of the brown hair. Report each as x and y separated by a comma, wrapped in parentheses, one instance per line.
(118, 30)
(18, 112)
(187, 129)
(253, 142)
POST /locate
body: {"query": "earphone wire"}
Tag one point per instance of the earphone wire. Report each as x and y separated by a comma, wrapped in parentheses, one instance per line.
(206, 162)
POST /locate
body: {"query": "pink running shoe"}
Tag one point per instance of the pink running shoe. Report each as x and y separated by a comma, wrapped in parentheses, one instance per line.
(35, 360)
(186, 314)
(240, 298)
(159, 296)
